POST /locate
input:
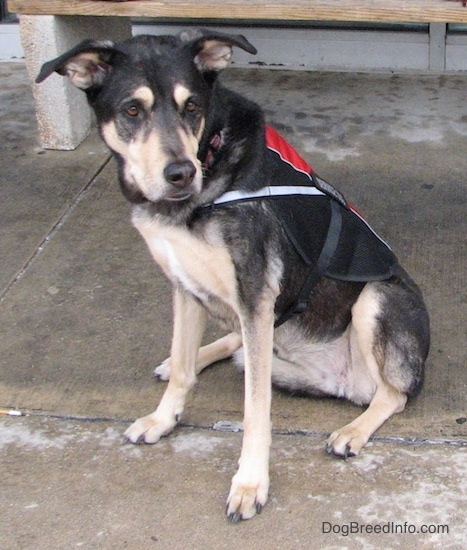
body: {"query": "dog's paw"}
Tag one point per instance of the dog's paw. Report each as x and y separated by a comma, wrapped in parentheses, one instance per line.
(345, 443)
(148, 429)
(163, 370)
(246, 500)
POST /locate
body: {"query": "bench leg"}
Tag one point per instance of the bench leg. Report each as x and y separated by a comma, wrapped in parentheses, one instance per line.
(63, 116)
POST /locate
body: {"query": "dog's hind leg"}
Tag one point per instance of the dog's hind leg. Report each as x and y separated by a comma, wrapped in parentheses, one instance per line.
(349, 440)
(369, 360)
(189, 324)
(216, 351)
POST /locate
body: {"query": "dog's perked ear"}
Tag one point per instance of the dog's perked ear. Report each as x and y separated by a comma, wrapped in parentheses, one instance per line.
(212, 50)
(86, 65)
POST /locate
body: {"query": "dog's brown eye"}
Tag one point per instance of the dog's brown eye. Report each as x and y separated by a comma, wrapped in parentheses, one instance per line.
(132, 110)
(190, 106)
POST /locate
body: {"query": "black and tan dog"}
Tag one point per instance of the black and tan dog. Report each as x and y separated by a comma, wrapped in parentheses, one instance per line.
(245, 230)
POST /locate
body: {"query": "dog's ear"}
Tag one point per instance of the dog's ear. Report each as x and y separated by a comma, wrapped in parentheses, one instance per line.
(86, 65)
(213, 50)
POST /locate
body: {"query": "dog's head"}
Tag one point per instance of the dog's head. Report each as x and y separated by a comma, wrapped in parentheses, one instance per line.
(151, 96)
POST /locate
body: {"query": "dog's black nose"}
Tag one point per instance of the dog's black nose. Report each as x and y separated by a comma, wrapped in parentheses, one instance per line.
(180, 174)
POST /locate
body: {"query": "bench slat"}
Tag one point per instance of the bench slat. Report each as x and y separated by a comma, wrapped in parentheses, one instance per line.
(420, 11)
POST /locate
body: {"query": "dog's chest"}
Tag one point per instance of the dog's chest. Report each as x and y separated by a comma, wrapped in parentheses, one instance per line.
(202, 266)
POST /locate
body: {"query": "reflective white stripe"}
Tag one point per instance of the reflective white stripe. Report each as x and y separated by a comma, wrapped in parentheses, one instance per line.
(369, 227)
(274, 191)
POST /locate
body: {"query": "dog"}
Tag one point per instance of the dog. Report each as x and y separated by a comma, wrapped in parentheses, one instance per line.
(310, 297)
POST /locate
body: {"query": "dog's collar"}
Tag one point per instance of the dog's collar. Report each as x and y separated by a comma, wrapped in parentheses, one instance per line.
(214, 146)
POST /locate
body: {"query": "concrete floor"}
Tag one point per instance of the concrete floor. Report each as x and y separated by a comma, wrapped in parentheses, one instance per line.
(85, 317)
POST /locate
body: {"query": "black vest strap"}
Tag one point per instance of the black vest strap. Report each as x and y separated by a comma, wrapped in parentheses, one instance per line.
(322, 264)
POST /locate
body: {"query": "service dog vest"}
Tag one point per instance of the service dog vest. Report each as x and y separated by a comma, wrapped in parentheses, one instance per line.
(327, 232)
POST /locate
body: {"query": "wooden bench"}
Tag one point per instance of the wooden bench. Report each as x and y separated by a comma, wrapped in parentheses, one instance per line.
(49, 27)
(428, 11)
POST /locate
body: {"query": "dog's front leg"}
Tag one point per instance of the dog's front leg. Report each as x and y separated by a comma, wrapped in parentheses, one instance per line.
(189, 324)
(250, 485)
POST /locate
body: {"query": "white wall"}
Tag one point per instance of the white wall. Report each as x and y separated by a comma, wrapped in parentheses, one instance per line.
(10, 43)
(322, 49)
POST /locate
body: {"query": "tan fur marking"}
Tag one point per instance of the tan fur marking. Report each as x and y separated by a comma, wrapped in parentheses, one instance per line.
(185, 346)
(78, 69)
(352, 438)
(111, 137)
(249, 490)
(215, 55)
(145, 96)
(201, 266)
(200, 132)
(144, 160)
(222, 348)
(386, 400)
(181, 95)
(190, 145)
(145, 163)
